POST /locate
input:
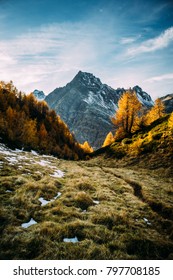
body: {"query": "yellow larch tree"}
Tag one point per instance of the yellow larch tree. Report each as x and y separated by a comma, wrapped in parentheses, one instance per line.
(108, 140)
(125, 119)
(156, 112)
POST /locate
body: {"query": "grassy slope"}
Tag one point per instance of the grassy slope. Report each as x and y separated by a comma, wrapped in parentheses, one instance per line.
(133, 219)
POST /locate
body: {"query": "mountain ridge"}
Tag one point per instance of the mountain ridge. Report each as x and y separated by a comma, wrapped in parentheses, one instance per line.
(86, 105)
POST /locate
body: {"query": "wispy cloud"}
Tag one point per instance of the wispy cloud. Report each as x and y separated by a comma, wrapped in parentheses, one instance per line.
(151, 45)
(161, 78)
(59, 50)
(128, 40)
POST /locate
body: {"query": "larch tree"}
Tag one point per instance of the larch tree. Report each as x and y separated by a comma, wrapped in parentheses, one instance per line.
(156, 112)
(108, 140)
(126, 116)
(86, 147)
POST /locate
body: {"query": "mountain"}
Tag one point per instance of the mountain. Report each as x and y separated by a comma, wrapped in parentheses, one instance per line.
(168, 102)
(39, 94)
(86, 105)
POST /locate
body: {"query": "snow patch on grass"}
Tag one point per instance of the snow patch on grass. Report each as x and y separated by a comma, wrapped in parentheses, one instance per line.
(30, 223)
(96, 201)
(58, 174)
(72, 240)
(45, 202)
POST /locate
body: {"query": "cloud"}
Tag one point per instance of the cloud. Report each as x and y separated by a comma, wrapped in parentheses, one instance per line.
(127, 40)
(151, 45)
(55, 52)
(161, 78)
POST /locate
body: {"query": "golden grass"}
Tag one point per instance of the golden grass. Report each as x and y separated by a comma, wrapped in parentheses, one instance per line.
(114, 228)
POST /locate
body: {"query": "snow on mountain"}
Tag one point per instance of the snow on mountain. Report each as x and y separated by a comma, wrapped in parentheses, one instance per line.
(39, 94)
(168, 102)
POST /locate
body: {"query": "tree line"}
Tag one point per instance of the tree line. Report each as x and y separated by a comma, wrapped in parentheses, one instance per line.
(28, 123)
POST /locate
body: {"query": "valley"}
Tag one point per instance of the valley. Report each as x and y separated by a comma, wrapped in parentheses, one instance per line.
(101, 208)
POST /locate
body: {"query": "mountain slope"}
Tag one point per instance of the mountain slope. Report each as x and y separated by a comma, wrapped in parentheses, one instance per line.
(86, 105)
(168, 102)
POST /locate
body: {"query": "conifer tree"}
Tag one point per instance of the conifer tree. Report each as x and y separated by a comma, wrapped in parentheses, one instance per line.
(86, 147)
(109, 139)
(156, 112)
(125, 118)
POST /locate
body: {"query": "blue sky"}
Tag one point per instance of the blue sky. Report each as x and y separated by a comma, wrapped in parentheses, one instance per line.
(44, 43)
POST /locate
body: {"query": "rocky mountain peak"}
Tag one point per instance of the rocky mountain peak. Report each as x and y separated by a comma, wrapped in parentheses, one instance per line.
(87, 80)
(168, 102)
(39, 94)
(87, 105)
(143, 97)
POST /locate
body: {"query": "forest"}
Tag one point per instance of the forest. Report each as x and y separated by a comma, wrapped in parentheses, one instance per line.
(30, 124)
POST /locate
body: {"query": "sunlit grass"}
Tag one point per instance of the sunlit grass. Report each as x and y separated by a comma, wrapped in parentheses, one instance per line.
(98, 205)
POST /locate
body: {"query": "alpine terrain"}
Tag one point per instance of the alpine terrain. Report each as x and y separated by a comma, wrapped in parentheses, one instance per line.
(39, 94)
(86, 106)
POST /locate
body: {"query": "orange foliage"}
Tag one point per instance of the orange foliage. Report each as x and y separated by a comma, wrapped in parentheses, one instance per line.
(156, 112)
(28, 123)
(109, 139)
(125, 118)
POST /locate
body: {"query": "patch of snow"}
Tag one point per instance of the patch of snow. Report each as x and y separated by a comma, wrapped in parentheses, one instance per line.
(34, 153)
(22, 158)
(58, 174)
(43, 162)
(73, 240)
(167, 98)
(18, 151)
(144, 101)
(58, 195)
(96, 201)
(45, 202)
(6, 152)
(30, 223)
(146, 221)
(12, 160)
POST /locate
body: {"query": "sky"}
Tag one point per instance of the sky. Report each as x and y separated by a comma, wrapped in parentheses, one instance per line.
(44, 43)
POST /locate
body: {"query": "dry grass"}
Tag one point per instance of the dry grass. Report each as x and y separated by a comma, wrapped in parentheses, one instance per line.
(115, 212)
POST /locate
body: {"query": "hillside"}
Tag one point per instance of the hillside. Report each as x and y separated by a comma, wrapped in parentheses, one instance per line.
(29, 124)
(117, 205)
(151, 147)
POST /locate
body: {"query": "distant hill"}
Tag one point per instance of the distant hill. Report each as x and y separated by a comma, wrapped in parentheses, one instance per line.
(86, 105)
